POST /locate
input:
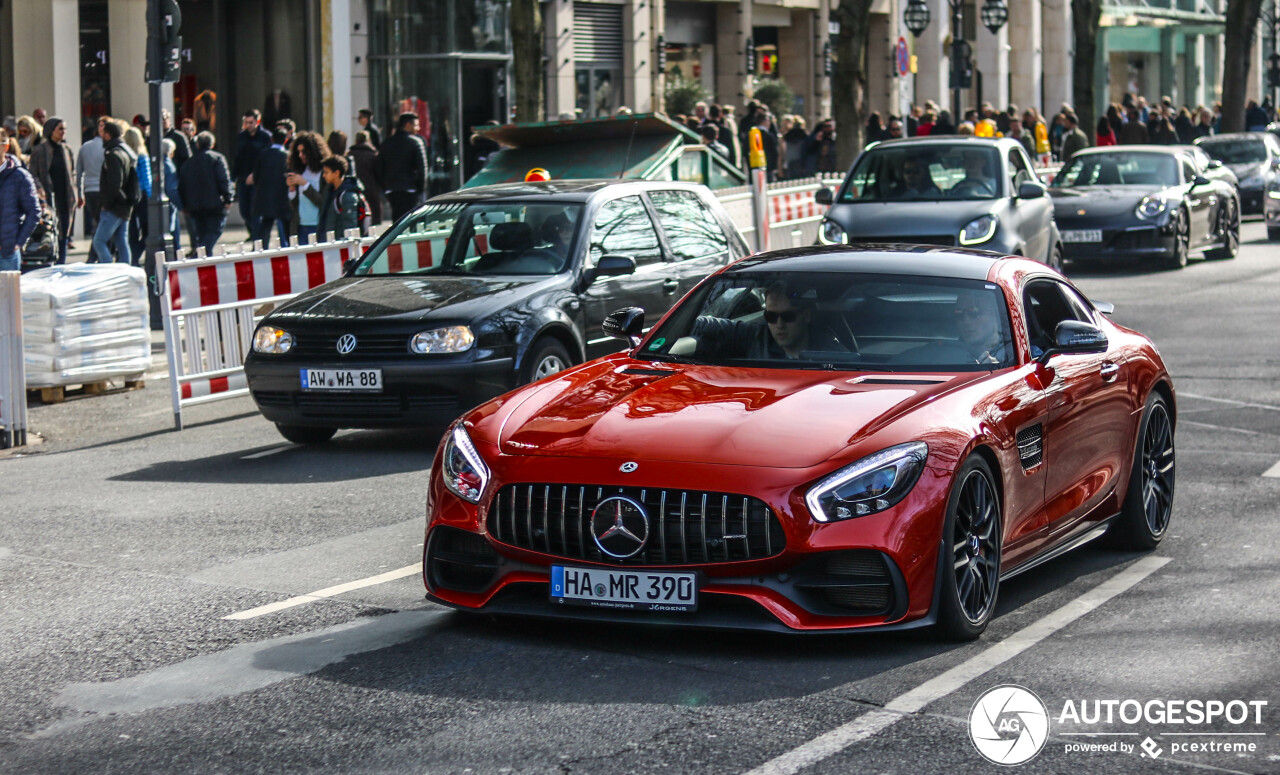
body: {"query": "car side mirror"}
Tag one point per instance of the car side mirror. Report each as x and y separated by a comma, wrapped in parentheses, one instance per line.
(1215, 164)
(823, 196)
(610, 265)
(1029, 189)
(1073, 337)
(1105, 307)
(626, 323)
(1200, 180)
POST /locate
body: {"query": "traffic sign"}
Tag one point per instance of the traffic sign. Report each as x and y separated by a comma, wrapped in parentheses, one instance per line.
(903, 56)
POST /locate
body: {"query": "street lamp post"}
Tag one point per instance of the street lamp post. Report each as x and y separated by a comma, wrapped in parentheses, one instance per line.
(994, 15)
(1271, 18)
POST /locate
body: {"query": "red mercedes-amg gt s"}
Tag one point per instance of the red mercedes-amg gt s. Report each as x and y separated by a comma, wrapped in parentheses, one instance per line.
(820, 439)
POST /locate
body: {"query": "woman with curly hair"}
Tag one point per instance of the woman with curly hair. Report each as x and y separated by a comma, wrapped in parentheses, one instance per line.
(306, 159)
(30, 133)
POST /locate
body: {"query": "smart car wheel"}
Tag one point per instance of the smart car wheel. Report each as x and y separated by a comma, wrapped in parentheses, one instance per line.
(1273, 234)
(1148, 504)
(299, 434)
(546, 357)
(1228, 231)
(1181, 242)
(972, 539)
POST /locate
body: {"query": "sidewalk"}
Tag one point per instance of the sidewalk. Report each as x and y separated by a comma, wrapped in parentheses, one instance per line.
(232, 235)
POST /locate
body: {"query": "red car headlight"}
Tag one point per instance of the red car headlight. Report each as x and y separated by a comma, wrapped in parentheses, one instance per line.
(465, 473)
(871, 484)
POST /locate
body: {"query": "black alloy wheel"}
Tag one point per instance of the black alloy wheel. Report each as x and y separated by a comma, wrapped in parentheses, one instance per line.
(972, 539)
(1148, 505)
(1177, 259)
(300, 434)
(1228, 230)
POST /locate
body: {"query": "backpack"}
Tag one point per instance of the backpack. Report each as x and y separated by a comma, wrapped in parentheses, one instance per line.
(363, 217)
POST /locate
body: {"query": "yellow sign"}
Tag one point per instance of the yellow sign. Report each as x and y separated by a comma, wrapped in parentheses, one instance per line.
(756, 156)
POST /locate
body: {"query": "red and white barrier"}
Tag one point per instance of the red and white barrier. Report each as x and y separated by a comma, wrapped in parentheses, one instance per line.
(211, 307)
(791, 212)
(13, 382)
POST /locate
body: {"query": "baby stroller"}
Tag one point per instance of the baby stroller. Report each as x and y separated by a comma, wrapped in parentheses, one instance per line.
(41, 249)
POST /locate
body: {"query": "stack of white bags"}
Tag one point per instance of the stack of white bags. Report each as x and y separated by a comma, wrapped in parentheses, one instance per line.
(85, 323)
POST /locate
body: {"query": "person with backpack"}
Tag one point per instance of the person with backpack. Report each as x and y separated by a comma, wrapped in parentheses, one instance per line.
(119, 190)
(19, 211)
(344, 206)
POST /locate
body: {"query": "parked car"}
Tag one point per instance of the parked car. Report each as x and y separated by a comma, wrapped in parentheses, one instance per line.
(817, 439)
(965, 191)
(1143, 201)
(1271, 210)
(1210, 167)
(477, 292)
(1254, 157)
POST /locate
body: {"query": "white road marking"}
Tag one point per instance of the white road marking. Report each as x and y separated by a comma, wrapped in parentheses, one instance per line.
(268, 451)
(939, 686)
(1273, 472)
(1268, 407)
(1222, 428)
(381, 578)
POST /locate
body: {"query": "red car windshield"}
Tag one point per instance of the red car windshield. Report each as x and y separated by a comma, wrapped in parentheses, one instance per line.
(828, 320)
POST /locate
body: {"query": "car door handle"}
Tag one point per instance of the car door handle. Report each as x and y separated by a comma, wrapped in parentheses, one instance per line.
(670, 286)
(1109, 371)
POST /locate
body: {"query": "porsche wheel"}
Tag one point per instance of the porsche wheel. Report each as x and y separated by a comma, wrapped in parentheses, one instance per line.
(1273, 234)
(546, 357)
(1148, 504)
(301, 434)
(1177, 258)
(1056, 259)
(972, 539)
(1228, 231)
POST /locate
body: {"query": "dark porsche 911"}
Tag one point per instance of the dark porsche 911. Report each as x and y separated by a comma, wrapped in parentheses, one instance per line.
(1143, 202)
(477, 292)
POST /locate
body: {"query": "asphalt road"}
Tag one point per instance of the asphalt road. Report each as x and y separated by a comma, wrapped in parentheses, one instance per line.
(124, 546)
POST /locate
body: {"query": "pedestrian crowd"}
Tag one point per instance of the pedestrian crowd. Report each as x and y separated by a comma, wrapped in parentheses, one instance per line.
(289, 185)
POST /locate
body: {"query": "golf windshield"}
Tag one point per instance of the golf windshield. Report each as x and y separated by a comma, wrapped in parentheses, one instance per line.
(481, 238)
(838, 321)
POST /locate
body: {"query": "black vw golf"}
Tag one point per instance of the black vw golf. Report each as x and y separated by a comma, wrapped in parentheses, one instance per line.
(477, 292)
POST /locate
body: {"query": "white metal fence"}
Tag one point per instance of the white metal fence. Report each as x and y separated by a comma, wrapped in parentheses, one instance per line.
(13, 381)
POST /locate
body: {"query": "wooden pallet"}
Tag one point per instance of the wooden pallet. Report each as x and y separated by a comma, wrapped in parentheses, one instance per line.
(59, 393)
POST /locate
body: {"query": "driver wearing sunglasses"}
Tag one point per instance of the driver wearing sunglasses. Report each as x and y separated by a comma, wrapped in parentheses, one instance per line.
(784, 331)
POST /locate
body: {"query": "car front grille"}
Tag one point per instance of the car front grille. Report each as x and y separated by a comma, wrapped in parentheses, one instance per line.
(320, 345)
(685, 526)
(854, 582)
(388, 406)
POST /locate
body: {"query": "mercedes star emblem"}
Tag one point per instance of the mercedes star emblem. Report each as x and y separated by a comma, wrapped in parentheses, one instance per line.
(346, 343)
(620, 527)
(628, 467)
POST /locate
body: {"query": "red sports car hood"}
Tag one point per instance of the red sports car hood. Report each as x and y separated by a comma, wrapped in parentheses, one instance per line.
(757, 417)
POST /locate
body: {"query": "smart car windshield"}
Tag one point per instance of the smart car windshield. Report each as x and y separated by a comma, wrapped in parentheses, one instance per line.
(924, 172)
(839, 321)
(483, 238)
(1236, 151)
(1119, 169)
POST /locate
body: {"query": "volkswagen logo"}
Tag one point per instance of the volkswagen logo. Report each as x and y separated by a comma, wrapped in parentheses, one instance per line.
(620, 527)
(628, 467)
(1008, 725)
(346, 343)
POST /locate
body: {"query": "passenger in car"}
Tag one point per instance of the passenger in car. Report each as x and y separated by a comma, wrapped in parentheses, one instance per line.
(978, 180)
(557, 230)
(978, 328)
(917, 183)
(788, 319)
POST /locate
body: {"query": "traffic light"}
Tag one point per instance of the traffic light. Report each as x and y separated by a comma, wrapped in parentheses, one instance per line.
(164, 49)
(751, 56)
(1273, 72)
(961, 65)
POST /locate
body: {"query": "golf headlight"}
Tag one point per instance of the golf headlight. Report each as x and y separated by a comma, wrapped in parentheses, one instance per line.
(453, 339)
(1151, 207)
(271, 340)
(832, 233)
(979, 230)
(465, 474)
(872, 484)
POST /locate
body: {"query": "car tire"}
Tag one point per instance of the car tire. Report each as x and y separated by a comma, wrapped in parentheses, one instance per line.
(546, 357)
(1273, 234)
(301, 434)
(971, 535)
(1229, 228)
(1177, 259)
(1148, 504)
(1056, 259)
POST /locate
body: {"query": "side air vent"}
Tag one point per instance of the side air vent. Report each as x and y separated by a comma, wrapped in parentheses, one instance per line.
(1030, 446)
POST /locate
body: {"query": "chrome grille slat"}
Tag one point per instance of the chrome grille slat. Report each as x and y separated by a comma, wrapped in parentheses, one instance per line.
(679, 541)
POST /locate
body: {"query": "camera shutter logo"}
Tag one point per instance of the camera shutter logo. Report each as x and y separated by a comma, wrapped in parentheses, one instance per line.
(346, 343)
(1009, 725)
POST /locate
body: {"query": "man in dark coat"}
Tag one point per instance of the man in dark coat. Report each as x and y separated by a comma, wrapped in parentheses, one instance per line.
(271, 205)
(402, 166)
(205, 186)
(251, 141)
(181, 145)
(19, 211)
(53, 167)
(367, 125)
(119, 191)
(365, 158)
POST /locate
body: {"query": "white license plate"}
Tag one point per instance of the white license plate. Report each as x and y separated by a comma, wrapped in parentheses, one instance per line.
(627, 590)
(342, 380)
(1086, 235)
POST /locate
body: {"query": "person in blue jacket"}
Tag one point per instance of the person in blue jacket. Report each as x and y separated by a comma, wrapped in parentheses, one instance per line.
(19, 211)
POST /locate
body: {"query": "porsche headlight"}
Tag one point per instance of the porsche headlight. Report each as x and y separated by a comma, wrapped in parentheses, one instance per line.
(832, 233)
(1151, 207)
(452, 339)
(272, 340)
(465, 473)
(979, 230)
(872, 484)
